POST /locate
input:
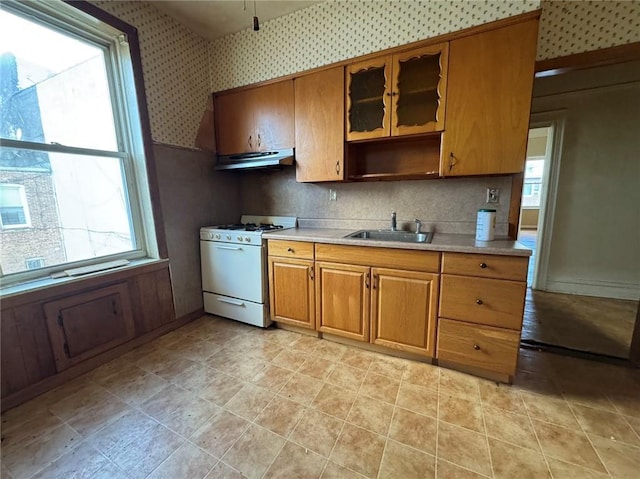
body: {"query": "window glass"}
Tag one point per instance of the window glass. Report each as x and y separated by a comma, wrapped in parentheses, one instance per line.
(78, 205)
(53, 87)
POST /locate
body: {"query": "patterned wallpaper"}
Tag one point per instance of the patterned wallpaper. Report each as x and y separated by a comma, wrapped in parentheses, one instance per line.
(175, 67)
(568, 27)
(336, 30)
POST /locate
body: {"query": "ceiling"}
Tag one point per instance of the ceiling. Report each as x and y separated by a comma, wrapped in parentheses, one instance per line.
(216, 18)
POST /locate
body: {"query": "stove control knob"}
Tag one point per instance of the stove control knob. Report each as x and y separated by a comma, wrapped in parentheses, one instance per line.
(228, 237)
(239, 238)
(247, 239)
(218, 236)
(210, 235)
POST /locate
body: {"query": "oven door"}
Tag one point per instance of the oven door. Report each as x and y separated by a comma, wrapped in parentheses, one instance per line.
(233, 270)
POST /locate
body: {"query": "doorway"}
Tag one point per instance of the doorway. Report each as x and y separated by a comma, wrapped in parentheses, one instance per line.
(585, 272)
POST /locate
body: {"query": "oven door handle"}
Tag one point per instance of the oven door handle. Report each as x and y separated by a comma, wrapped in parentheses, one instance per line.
(231, 301)
(234, 248)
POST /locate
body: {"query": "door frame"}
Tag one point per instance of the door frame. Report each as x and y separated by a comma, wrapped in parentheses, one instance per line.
(556, 121)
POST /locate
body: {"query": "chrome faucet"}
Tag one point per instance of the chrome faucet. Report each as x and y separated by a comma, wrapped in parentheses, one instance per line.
(393, 221)
(418, 226)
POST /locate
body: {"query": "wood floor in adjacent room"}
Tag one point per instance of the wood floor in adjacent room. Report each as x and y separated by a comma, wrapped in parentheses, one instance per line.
(584, 323)
(219, 399)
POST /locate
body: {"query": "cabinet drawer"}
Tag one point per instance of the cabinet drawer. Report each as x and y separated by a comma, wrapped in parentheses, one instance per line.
(486, 266)
(290, 249)
(483, 347)
(485, 301)
(428, 261)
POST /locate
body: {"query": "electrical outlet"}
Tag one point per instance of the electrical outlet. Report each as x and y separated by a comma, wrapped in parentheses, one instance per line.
(493, 195)
(333, 195)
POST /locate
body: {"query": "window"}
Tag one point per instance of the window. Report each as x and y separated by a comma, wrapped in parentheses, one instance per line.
(532, 188)
(14, 212)
(35, 263)
(71, 142)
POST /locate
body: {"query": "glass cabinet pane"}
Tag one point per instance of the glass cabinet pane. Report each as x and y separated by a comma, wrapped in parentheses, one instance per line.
(367, 104)
(417, 88)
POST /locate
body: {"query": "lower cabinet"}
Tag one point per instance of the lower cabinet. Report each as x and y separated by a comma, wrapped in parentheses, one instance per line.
(481, 309)
(344, 300)
(291, 283)
(484, 347)
(390, 307)
(404, 310)
(464, 309)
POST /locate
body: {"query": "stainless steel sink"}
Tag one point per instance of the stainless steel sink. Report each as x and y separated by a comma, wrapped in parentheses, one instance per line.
(387, 235)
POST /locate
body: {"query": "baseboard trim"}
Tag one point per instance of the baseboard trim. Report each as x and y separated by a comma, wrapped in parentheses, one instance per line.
(595, 288)
(73, 372)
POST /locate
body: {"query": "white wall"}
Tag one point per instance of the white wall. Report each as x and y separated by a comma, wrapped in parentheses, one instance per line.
(596, 232)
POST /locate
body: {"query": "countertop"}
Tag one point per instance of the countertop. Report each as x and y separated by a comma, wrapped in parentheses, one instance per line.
(441, 241)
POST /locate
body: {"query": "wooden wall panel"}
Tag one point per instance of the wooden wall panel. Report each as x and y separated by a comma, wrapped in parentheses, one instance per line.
(152, 300)
(14, 376)
(33, 335)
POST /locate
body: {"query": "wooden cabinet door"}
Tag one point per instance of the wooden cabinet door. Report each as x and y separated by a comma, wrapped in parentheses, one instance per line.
(87, 324)
(368, 99)
(489, 89)
(343, 300)
(418, 98)
(235, 123)
(319, 125)
(274, 116)
(291, 291)
(404, 310)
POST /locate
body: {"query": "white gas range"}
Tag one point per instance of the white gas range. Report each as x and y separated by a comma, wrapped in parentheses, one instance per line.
(234, 268)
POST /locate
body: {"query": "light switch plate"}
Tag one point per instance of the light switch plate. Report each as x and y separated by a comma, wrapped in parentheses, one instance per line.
(333, 195)
(493, 195)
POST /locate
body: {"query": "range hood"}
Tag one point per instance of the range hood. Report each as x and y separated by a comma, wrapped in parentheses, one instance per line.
(262, 159)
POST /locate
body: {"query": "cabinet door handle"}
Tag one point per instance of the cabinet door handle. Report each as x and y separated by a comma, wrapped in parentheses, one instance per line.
(483, 265)
(337, 167)
(476, 347)
(452, 161)
(290, 250)
(311, 273)
(249, 141)
(375, 281)
(389, 93)
(478, 301)
(259, 140)
(366, 281)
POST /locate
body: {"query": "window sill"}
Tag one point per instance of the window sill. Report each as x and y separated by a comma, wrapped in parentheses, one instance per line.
(48, 282)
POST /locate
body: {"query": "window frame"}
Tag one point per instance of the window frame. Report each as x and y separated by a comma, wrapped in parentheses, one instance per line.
(119, 41)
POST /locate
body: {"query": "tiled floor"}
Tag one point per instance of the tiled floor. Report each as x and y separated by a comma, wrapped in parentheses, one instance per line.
(219, 399)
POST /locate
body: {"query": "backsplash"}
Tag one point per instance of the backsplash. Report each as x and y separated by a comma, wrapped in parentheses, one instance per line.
(444, 205)
(337, 30)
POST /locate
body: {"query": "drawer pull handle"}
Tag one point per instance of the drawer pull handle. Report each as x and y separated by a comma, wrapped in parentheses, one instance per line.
(476, 347)
(483, 265)
(478, 301)
(290, 250)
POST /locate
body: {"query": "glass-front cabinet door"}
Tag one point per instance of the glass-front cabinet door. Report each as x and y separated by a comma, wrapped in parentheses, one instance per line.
(368, 108)
(419, 90)
(394, 95)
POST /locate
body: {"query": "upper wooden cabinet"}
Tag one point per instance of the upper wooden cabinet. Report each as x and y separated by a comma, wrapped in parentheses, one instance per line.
(319, 125)
(394, 95)
(256, 119)
(489, 87)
